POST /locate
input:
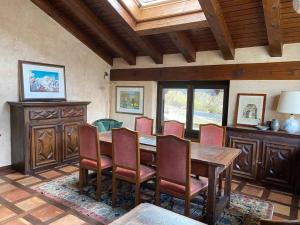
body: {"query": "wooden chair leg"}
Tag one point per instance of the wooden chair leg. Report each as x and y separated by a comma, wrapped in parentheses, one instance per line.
(157, 193)
(137, 193)
(85, 177)
(187, 207)
(113, 200)
(220, 184)
(98, 192)
(81, 180)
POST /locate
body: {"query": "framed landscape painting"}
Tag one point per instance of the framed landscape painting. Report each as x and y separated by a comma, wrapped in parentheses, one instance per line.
(130, 100)
(250, 109)
(41, 82)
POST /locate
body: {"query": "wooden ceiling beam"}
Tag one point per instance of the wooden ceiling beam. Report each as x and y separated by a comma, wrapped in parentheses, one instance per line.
(177, 23)
(146, 43)
(253, 71)
(78, 8)
(215, 18)
(184, 45)
(272, 20)
(69, 25)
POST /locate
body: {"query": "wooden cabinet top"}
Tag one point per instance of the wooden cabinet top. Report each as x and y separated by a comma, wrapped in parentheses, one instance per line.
(48, 104)
(262, 132)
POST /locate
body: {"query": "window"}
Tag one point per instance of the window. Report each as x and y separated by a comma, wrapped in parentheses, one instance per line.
(192, 103)
(144, 3)
(174, 104)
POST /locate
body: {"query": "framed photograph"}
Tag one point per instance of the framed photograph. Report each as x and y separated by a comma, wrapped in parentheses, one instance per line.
(250, 110)
(41, 82)
(130, 100)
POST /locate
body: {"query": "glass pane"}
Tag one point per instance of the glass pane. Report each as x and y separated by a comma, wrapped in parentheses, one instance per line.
(175, 104)
(208, 107)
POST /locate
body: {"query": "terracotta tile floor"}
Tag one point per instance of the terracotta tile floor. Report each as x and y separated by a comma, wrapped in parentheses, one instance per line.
(253, 190)
(20, 205)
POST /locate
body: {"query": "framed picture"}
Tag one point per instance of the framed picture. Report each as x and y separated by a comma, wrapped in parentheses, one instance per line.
(41, 82)
(250, 110)
(130, 100)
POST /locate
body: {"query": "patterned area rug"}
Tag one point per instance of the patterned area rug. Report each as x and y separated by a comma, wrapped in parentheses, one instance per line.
(243, 209)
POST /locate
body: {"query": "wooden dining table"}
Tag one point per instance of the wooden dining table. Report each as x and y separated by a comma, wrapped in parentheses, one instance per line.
(207, 162)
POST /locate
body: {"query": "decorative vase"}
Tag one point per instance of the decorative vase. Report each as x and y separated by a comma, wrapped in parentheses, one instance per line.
(275, 125)
(291, 125)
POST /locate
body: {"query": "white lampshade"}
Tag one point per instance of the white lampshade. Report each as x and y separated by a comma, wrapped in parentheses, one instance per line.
(289, 102)
(296, 5)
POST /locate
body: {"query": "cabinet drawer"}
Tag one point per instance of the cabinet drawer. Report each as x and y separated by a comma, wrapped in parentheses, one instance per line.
(72, 112)
(43, 114)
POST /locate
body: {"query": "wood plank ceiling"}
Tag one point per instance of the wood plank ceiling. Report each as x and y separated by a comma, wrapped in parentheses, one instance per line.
(111, 30)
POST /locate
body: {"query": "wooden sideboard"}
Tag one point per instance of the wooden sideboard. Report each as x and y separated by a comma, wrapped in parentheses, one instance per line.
(44, 134)
(268, 157)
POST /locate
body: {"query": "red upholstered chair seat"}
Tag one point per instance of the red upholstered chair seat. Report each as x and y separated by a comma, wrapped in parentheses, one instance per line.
(106, 162)
(145, 172)
(195, 186)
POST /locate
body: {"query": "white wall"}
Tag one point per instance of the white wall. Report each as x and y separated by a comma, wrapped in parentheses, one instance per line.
(272, 88)
(27, 33)
(291, 52)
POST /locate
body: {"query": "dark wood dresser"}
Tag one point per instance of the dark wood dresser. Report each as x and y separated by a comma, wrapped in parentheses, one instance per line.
(268, 157)
(44, 134)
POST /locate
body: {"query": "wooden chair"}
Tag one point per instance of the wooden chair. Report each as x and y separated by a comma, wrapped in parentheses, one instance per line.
(174, 171)
(213, 135)
(90, 157)
(280, 222)
(144, 126)
(126, 161)
(173, 127)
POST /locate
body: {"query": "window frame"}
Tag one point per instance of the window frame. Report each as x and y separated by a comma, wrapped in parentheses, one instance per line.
(190, 86)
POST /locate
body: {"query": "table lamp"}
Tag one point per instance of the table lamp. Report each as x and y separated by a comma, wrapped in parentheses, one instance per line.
(289, 103)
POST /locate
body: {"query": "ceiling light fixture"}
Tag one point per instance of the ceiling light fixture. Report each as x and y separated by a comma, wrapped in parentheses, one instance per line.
(296, 5)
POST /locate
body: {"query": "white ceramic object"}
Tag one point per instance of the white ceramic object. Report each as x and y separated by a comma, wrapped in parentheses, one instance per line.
(291, 125)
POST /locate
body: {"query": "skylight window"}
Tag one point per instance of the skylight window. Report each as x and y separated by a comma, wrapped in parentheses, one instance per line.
(144, 3)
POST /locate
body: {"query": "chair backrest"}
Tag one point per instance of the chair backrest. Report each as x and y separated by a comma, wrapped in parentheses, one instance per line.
(104, 125)
(89, 147)
(144, 125)
(280, 222)
(212, 135)
(125, 148)
(173, 159)
(173, 127)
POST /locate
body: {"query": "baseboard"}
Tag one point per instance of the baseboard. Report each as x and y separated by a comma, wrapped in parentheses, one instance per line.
(5, 168)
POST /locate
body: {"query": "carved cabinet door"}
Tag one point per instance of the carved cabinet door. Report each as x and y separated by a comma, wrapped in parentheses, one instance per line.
(44, 145)
(278, 163)
(70, 140)
(246, 163)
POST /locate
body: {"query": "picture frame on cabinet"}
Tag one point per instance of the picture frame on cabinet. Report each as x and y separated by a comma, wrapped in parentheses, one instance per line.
(41, 81)
(250, 109)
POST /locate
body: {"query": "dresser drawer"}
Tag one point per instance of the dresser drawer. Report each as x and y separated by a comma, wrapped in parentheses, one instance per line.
(43, 114)
(72, 112)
